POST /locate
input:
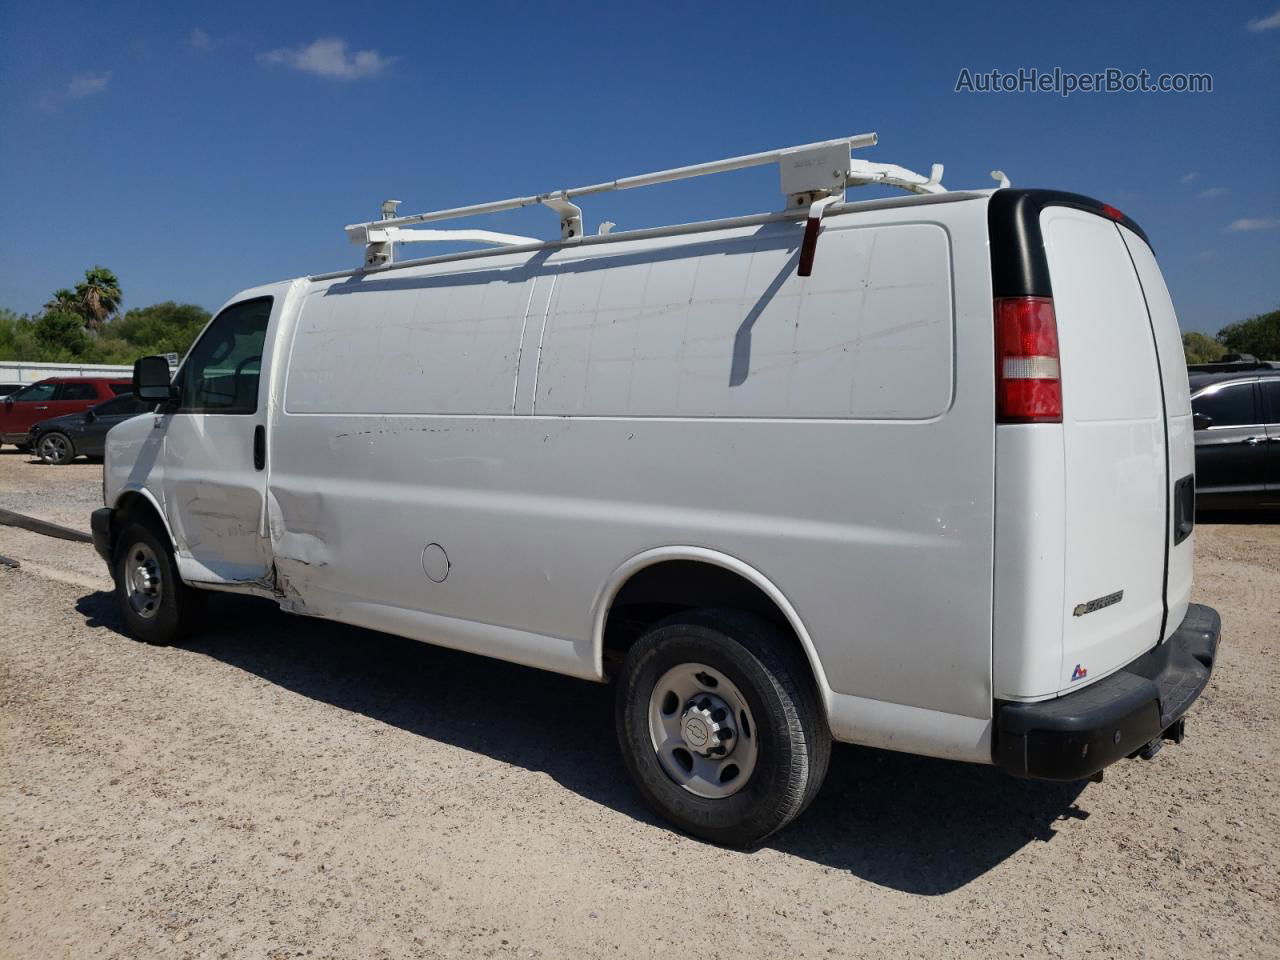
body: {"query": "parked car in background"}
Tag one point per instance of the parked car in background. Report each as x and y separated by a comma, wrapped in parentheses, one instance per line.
(53, 397)
(8, 388)
(60, 440)
(1236, 414)
(1233, 363)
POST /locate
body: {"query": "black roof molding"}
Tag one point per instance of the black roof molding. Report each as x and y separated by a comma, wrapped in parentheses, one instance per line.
(1018, 264)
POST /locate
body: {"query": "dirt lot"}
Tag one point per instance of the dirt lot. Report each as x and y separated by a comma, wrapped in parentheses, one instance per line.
(283, 787)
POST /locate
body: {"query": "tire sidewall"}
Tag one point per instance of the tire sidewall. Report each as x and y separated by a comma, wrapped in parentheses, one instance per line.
(167, 624)
(761, 806)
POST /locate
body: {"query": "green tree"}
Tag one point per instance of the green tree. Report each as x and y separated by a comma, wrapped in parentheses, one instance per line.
(99, 295)
(161, 328)
(61, 335)
(13, 330)
(1201, 348)
(1258, 335)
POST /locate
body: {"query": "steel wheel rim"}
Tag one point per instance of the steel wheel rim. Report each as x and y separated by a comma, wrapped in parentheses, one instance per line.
(142, 583)
(702, 731)
(54, 448)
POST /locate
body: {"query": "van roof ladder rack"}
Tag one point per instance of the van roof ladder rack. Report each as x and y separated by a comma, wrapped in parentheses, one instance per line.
(813, 175)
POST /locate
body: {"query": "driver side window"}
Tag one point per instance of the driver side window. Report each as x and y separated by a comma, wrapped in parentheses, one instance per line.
(222, 370)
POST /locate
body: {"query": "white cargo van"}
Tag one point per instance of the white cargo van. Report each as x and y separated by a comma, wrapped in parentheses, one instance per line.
(915, 473)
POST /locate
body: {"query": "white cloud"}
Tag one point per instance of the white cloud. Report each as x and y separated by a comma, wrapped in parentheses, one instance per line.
(329, 57)
(1265, 23)
(1213, 192)
(1188, 177)
(199, 39)
(87, 84)
(1255, 223)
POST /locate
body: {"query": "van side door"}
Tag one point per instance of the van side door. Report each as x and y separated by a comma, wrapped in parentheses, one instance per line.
(1231, 447)
(214, 476)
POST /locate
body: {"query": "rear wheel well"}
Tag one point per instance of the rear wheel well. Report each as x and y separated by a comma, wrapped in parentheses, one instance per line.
(669, 587)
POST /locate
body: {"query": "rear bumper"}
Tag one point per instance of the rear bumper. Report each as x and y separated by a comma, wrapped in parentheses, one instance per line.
(100, 527)
(1077, 735)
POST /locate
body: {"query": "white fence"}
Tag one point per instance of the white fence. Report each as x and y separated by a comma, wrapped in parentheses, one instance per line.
(21, 371)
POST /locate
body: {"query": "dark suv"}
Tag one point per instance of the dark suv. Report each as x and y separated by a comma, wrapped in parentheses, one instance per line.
(1237, 423)
(52, 398)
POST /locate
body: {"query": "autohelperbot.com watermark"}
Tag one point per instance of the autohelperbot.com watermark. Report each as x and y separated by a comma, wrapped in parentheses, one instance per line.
(1066, 82)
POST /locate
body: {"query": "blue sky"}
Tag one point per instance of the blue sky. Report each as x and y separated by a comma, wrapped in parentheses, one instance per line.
(200, 149)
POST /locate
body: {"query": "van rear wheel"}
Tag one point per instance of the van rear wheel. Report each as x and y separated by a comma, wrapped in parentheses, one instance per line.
(721, 727)
(156, 605)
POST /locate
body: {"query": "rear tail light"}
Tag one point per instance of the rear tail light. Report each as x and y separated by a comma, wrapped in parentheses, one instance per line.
(1028, 380)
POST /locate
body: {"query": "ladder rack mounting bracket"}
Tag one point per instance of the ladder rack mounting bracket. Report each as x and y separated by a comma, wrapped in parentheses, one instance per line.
(570, 215)
(819, 171)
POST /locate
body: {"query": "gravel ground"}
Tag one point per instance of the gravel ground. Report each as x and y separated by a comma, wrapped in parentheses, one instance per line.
(284, 787)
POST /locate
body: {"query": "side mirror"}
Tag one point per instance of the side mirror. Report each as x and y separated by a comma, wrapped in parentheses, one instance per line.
(151, 379)
(90, 416)
(1201, 421)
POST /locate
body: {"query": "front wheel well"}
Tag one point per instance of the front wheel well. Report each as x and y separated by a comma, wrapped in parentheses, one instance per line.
(669, 587)
(134, 507)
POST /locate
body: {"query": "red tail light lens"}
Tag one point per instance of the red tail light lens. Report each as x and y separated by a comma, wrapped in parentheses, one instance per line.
(1028, 379)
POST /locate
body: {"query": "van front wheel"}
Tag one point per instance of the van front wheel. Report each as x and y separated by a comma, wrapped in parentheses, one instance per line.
(156, 605)
(721, 727)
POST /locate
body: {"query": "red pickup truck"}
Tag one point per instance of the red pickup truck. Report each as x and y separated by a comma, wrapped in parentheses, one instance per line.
(53, 398)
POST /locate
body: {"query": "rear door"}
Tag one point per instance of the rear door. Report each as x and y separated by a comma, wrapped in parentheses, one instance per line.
(1114, 442)
(73, 398)
(1179, 430)
(1231, 451)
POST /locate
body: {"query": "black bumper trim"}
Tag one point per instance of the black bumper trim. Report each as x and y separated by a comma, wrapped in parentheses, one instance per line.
(1075, 736)
(100, 526)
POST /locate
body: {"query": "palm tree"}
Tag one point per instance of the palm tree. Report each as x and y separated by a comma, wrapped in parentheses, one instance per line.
(99, 296)
(64, 300)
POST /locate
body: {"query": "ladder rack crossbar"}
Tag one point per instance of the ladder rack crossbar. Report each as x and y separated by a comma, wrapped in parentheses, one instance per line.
(358, 232)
